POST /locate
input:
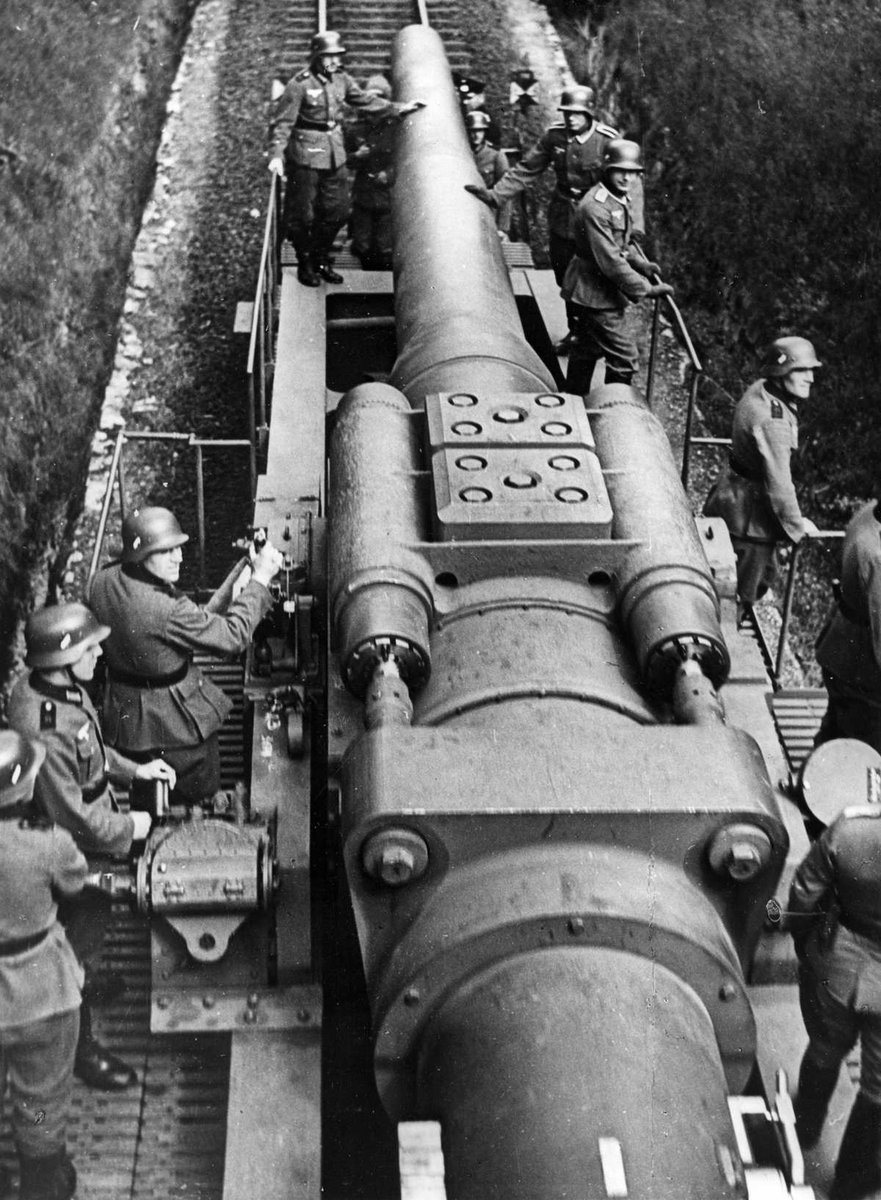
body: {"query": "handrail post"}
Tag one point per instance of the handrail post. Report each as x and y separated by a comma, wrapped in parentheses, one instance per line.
(200, 511)
(787, 611)
(689, 423)
(112, 478)
(653, 352)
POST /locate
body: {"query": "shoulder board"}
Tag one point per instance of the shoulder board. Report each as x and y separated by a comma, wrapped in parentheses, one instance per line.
(776, 410)
(48, 713)
(607, 131)
(873, 811)
(301, 75)
(601, 195)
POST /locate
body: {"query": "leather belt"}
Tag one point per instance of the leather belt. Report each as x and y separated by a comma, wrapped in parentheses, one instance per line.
(740, 469)
(850, 615)
(95, 790)
(322, 126)
(149, 682)
(19, 945)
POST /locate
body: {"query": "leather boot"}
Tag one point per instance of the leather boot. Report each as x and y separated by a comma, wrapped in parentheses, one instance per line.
(51, 1178)
(306, 272)
(326, 271)
(857, 1173)
(94, 1064)
(815, 1087)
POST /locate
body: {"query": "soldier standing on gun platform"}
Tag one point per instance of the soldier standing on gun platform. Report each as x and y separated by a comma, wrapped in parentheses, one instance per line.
(308, 149)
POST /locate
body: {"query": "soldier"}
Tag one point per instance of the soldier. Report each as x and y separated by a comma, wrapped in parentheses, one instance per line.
(607, 272)
(158, 704)
(308, 148)
(575, 149)
(491, 163)
(834, 916)
(40, 977)
(75, 790)
(849, 648)
(372, 155)
(755, 494)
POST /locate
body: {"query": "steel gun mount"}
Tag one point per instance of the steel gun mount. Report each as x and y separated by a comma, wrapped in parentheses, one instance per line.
(558, 851)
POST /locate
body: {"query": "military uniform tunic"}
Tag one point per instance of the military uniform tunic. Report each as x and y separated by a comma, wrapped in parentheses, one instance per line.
(577, 162)
(157, 702)
(40, 980)
(840, 985)
(603, 277)
(849, 648)
(755, 494)
(74, 783)
(307, 128)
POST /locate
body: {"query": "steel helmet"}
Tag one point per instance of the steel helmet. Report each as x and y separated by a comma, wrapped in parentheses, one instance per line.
(578, 99)
(787, 354)
(379, 86)
(147, 530)
(59, 635)
(20, 760)
(478, 119)
(622, 155)
(328, 42)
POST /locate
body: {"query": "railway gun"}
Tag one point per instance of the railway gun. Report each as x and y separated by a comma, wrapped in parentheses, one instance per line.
(512, 781)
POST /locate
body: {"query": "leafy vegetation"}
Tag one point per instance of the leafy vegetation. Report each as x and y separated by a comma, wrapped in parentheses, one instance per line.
(759, 125)
(83, 85)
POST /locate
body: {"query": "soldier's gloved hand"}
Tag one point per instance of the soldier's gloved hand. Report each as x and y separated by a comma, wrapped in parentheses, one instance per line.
(142, 822)
(659, 289)
(637, 236)
(276, 165)
(157, 768)
(267, 564)
(483, 194)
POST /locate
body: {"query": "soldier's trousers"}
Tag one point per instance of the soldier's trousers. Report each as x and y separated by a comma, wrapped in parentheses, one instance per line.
(316, 207)
(601, 333)
(371, 230)
(757, 568)
(36, 1063)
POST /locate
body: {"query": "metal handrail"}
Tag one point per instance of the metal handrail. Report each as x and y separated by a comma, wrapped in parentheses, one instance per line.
(115, 479)
(261, 343)
(821, 535)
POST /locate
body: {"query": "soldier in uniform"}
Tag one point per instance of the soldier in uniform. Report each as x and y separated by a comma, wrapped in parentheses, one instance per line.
(575, 150)
(308, 148)
(755, 494)
(849, 648)
(40, 977)
(606, 274)
(834, 916)
(157, 703)
(491, 163)
(75, 790)
(371, 156)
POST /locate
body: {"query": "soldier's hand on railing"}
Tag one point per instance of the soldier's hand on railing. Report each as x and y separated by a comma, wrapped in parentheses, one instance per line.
(659, 289)
(809, 526)
(276, 165)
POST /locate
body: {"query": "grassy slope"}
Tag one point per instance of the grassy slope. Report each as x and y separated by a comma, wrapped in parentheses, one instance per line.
(82, 95)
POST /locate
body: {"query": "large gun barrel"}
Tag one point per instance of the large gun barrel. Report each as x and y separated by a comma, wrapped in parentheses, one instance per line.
(558, 875)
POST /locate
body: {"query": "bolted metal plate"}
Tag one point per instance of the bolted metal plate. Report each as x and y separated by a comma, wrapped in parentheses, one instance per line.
(545, 419)
(520, 493)
(515, 466)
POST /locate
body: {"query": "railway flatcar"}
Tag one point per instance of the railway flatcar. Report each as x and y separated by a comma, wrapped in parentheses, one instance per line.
(489, 919)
